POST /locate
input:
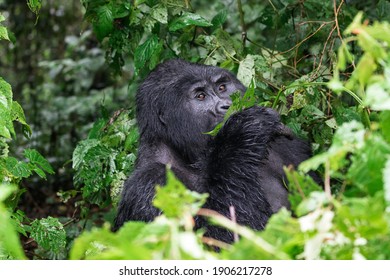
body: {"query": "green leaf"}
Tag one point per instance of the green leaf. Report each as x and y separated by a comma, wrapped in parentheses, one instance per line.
(104, 23)
(364, 69)
(386, 180)
(155, 58)
(97, 128)
(103, 244)
(281, 235)
(300, 101)
(5, 93)
(6, 191)
(284, 231)
(39, 171)
(10, 247)
(299, 187)
(362, 217)
(4, 131)
(331, 123)
(6, 125)
(188, 19)
(34, 5)
(246, 70)
(219, 19)
(38, 161)
(97, 153)
(385, 124)
(120, 10)
(17, 168)
(18, 115)
(160, 13)
(49, 233)
(368, 164)
(348, 138)
(144, 52)
(175, 200)
(344, 56)
(370, 45)
(81, 150)
(243, 102)
(4, 33)
(380, 30)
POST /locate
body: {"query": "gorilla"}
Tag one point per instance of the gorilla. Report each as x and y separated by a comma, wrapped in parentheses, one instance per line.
(240, 167)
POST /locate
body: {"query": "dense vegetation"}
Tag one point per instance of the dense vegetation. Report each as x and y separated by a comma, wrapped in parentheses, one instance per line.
(68, 137)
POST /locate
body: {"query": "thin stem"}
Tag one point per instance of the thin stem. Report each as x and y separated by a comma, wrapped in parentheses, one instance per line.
(324, 48)
(307, 38)
(242, 23)
(273, 6)
(336, 13)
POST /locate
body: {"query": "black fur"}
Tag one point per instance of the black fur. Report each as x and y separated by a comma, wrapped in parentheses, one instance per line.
(242, 166)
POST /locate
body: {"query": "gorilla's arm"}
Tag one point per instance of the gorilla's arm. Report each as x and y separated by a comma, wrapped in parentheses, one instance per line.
(138, 194)
(239, 151)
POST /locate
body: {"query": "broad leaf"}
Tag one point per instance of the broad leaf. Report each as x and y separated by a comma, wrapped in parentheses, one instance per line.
(104, 23)
(146, 51)
(188, 19)
(17, 168)
(49, 233)
(38, 161)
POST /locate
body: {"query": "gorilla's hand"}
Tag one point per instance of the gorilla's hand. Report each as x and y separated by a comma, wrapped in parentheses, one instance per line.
(258, 123)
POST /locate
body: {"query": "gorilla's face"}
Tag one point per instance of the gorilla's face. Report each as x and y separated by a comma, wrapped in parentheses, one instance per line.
(180, 101)
(208, 98)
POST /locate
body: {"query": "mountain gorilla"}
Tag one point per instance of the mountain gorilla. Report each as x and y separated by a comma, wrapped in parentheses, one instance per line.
(242, 166)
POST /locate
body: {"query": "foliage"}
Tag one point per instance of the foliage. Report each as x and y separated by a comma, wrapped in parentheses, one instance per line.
(169, 237)
(9, 239)
(49, 233)
(34, 5)
(108, 151)
(324, 66)
(12, 171)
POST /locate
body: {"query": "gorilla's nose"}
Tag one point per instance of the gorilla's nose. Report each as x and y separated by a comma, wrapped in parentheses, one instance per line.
(223, 106)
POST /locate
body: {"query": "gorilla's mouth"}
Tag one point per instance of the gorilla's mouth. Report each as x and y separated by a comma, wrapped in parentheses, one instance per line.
(213, 124)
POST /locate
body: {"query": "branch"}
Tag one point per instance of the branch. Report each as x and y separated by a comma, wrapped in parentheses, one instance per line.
(307, 38)
(242, 23)
(336, 13)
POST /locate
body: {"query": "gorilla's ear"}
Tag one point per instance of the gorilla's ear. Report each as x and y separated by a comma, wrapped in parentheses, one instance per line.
(161, 117)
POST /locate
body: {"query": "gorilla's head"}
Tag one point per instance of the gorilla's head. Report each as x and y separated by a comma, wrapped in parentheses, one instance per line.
(179, 101)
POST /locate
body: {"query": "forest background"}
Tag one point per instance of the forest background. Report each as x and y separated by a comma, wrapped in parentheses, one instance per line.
(68, 138)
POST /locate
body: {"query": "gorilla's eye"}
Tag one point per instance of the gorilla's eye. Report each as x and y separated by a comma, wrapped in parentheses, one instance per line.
(222, 87)
(201, 96)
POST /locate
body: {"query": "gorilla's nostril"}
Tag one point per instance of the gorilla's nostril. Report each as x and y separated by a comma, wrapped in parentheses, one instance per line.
(223, 106)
